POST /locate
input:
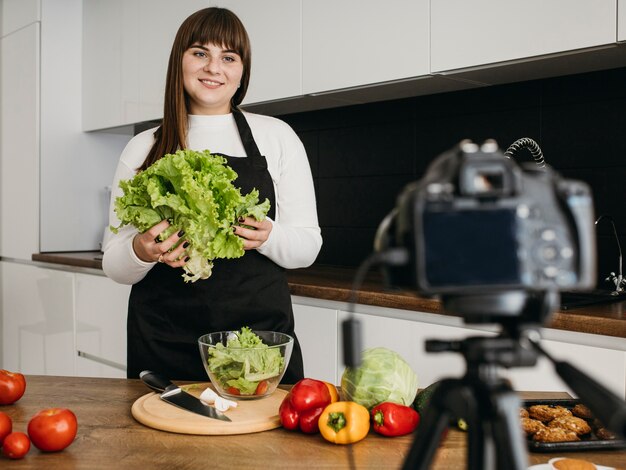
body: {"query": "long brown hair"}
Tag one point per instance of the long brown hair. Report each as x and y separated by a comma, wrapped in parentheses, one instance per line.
(208, 26)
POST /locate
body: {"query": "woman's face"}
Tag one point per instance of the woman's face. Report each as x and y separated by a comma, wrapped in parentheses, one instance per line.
(211, 76)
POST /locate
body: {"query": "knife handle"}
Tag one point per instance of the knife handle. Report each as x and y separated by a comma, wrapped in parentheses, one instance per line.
(156, 382)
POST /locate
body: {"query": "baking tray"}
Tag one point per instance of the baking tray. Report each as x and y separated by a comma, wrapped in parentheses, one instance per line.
(590, 442)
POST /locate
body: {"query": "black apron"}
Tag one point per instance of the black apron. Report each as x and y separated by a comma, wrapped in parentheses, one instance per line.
(166, 315)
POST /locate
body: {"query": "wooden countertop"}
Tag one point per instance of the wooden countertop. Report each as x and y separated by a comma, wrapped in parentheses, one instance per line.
(335, 283)
(109, 437)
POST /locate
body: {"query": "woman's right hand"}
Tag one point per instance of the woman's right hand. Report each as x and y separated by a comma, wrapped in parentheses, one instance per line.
(149, 249)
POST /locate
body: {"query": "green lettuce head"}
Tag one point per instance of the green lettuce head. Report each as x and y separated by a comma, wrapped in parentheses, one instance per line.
(382, 376)
(194, 191)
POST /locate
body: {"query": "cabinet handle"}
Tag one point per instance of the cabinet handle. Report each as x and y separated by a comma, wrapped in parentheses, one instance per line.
(106, 362)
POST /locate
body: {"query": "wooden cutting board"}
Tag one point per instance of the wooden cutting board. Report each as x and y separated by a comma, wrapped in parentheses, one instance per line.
(249, 415)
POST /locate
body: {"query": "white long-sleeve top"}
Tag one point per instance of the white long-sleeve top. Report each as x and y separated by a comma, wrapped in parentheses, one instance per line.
(295, 239)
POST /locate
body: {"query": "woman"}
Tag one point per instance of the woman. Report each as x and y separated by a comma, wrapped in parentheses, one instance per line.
(207, 78)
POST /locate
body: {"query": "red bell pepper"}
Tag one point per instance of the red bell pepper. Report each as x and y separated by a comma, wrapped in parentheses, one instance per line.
(303, 405)
(393, 419)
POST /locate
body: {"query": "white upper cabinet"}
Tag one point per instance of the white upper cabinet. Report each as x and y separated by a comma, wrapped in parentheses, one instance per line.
(103, 103)
(358, 42)
(468, 34)
(15, 14)
(621, 20)
(274, 30)
(126, 47)
(19, 143)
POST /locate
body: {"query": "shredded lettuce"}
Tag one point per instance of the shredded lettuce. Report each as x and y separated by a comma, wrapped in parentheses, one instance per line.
(244, 361)
(194, 191)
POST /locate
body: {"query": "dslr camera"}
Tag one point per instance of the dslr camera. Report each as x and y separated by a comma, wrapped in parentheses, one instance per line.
(478, 223)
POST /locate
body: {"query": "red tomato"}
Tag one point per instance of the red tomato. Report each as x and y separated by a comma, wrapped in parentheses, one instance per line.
(53, 429)
(233, 391)
(6, 426)
(12, 386)
(16, 445)
(261, 389)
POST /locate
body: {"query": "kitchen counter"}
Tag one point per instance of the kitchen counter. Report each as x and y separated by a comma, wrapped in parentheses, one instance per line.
(334, 283)
(109, 437)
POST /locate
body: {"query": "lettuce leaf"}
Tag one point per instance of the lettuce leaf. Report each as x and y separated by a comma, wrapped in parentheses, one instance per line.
(194, 191)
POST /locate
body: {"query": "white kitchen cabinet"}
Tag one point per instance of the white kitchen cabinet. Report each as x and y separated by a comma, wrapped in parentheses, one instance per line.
(469, 34)
(316, 329)
(621, 20)
(102, 73)
(275, 36)
(19, 144)
(101, 310)
(38, 319)
(126, 47)
(354, 42)
(15, 14)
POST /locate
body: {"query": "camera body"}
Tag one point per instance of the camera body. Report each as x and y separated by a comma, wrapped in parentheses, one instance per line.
(478, 223)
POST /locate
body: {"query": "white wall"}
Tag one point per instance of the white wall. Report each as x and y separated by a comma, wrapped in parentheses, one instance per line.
(75, 166)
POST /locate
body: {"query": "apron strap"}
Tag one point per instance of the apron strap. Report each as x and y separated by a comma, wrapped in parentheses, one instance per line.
(249, 145)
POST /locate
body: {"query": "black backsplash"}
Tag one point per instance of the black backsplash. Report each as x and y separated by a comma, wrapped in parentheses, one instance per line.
(362, 156)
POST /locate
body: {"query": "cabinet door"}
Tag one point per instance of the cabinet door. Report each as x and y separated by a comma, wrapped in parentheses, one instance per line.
(103, 105)
(101, 310)
(355, 42)
(621, 20)
(38, 320)
(316, 329)
(19, 144)
(467, 34)
(15, 14)
(407, 338)
(274, 30)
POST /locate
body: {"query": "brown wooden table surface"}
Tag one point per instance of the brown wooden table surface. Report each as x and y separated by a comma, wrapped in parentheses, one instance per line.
(109, 437)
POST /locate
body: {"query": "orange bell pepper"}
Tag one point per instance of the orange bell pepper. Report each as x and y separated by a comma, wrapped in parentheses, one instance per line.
(334, 394)
(344, 422)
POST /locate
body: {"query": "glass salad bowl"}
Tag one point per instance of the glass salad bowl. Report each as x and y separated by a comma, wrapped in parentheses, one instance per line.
(245, 364)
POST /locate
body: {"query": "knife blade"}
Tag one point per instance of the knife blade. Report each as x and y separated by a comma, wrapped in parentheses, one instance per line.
(174, 395)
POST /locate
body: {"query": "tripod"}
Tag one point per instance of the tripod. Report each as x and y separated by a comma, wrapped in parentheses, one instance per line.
(483, 399)
(487, 402)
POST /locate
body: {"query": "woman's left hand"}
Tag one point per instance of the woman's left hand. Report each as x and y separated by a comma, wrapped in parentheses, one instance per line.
(253, 237)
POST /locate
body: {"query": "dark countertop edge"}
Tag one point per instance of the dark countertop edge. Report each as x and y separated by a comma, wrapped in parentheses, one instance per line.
(83, 259)
(334, 284)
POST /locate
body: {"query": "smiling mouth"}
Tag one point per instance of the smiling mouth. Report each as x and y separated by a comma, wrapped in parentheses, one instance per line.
(211, 83)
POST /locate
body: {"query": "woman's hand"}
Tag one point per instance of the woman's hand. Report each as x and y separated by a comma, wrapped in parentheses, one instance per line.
(149, 249)
(253, 238)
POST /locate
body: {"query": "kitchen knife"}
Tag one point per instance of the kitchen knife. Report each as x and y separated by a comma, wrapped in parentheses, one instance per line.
(176, 396)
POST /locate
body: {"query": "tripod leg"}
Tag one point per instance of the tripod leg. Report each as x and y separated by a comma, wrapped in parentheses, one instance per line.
(432, 425)
(510, 443)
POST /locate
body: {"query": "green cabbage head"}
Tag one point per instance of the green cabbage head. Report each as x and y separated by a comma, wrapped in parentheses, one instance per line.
(382, 376)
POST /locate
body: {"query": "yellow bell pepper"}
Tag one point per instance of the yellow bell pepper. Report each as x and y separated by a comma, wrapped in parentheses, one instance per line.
(344, 422)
